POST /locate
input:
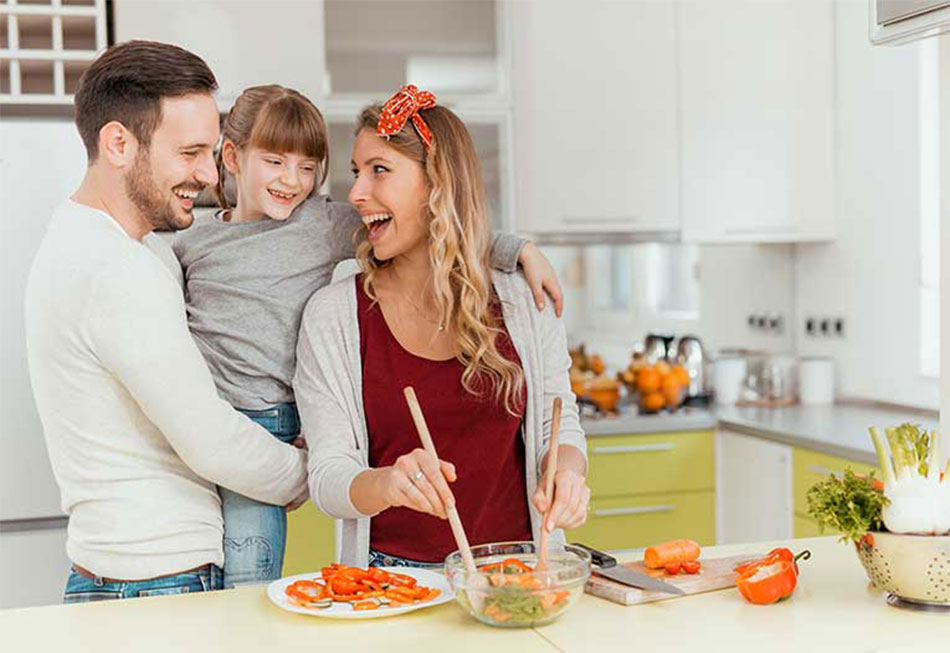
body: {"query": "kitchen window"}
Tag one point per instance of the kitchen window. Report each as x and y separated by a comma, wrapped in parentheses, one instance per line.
(46, 45)
(929, 139)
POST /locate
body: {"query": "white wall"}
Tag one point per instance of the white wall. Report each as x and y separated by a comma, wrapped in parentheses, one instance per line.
(870, 275)
(734, 281)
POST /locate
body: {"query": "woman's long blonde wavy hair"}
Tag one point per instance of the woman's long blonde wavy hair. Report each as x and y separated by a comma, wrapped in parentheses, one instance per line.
(459, 249)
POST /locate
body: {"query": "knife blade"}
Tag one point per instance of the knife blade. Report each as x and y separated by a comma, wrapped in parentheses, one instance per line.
(606, 565)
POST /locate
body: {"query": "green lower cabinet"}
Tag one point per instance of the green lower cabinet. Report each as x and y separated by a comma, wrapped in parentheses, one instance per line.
(649, 488)
(309, 540)
(625, 465)
(642, 520)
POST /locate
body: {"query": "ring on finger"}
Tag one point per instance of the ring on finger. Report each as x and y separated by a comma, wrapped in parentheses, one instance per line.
(417, 475)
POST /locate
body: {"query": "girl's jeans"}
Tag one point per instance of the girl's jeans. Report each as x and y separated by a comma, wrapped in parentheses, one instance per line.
(255, 533)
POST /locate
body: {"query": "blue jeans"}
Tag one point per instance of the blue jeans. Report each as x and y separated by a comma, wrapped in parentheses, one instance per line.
(80, 589)
(377, 559)
(255, 533)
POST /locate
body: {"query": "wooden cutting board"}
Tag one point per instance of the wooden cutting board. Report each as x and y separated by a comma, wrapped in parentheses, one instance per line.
(716, 574)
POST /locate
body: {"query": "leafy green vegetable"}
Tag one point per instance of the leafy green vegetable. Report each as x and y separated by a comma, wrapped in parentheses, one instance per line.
(910, 446)
(848, 503)
(521, 603)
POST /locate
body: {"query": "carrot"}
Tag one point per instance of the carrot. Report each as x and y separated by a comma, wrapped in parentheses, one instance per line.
(677, 551)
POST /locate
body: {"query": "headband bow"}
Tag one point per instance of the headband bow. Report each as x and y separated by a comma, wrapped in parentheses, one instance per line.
(402, 106)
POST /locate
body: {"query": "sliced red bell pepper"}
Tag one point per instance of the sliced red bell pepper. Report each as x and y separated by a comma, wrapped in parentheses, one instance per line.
(768, 583)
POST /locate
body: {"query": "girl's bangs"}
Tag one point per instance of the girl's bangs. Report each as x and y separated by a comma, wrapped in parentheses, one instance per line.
(289, 126)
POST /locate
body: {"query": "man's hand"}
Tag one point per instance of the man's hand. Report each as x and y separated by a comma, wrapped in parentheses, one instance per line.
(541, 277)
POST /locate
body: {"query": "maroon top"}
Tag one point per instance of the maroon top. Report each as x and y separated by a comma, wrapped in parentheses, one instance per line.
(477, 435)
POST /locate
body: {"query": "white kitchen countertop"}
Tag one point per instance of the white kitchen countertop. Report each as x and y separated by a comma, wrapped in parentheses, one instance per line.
(839, 430)
(833, 609)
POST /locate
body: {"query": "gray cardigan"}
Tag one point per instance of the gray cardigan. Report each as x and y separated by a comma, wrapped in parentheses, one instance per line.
(328, 389)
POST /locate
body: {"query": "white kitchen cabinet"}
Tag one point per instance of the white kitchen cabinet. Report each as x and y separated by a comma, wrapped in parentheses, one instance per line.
(245, 43)
(753, 489)
(595, 106)
(757, 120)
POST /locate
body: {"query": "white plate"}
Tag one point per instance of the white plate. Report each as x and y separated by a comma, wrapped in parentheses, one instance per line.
(431, 579)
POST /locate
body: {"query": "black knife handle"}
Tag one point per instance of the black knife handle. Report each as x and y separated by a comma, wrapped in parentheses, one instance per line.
(598, 558)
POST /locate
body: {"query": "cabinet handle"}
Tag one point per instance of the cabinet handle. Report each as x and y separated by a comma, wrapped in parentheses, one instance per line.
(824, 471)
(634, 448)
(764, 229)
(617, 219)
(631, 510)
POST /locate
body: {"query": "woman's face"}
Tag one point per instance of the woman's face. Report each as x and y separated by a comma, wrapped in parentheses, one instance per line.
(269, 183)
(391, 193)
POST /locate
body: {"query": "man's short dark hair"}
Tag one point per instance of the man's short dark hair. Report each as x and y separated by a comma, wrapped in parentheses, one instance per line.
(127, 83)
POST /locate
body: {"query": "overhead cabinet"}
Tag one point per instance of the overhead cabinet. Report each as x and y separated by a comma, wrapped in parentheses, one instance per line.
(595, 134)
(757, 120)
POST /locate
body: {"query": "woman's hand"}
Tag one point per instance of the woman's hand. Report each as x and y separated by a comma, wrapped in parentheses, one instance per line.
(419, 481)
(541, 277)
(571, 497)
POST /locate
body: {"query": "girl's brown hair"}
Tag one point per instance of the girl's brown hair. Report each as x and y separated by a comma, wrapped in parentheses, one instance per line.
(276, 119)
(459, 248)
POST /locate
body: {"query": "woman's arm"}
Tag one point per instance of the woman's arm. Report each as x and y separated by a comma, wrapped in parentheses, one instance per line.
(340, 482)
(571, 494)
(322, 399)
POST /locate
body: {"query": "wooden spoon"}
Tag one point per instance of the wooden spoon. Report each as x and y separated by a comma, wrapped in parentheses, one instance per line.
(549, 485)
(477, 581)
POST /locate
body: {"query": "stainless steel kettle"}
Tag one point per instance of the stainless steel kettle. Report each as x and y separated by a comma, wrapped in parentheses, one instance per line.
(691, 355)
(656, 348)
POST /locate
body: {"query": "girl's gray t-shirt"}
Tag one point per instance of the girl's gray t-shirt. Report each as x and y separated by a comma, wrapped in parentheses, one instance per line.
(246, 285)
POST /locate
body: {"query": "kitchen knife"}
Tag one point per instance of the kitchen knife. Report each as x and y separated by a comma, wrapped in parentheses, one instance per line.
(606, 565)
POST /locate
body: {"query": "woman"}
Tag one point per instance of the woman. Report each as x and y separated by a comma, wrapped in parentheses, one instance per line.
(428, 312)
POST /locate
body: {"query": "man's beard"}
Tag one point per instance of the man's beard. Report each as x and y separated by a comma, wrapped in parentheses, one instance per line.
(158, 211)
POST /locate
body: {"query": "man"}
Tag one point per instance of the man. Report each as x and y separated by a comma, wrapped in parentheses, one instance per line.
(136, 432)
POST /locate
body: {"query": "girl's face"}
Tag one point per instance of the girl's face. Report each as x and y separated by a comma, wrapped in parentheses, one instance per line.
(391, 193)
(269, 183)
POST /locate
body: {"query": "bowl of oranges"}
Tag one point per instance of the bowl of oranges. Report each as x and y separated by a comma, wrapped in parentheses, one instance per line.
(657, 386)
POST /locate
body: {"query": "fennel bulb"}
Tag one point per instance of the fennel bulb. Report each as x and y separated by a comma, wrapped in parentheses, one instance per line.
(919, 501)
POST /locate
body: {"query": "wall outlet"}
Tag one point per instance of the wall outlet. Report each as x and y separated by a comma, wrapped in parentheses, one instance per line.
(824, 327)
(773, 323)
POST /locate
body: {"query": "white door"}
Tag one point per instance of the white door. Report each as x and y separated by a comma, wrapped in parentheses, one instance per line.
(753, 489)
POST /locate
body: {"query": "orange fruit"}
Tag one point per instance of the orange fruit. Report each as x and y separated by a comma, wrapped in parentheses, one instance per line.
(672, 391)
(648, 380)
(682, 374)
(663, 368)
(652, 402)
(597, 365)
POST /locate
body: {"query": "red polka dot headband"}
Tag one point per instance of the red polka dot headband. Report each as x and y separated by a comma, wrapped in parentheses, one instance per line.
(402, 106)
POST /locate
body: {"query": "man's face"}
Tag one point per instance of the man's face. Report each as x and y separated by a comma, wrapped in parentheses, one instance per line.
(167, 177)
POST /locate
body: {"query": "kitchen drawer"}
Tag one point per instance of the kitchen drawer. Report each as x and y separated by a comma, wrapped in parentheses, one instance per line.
(638, 521)
(808, 527)
(811, 467)
(662, 462)
(309, 540)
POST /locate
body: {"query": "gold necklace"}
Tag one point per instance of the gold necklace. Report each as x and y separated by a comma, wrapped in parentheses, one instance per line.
(422, 314)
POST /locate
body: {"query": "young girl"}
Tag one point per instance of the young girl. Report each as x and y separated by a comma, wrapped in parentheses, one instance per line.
(249, 270)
